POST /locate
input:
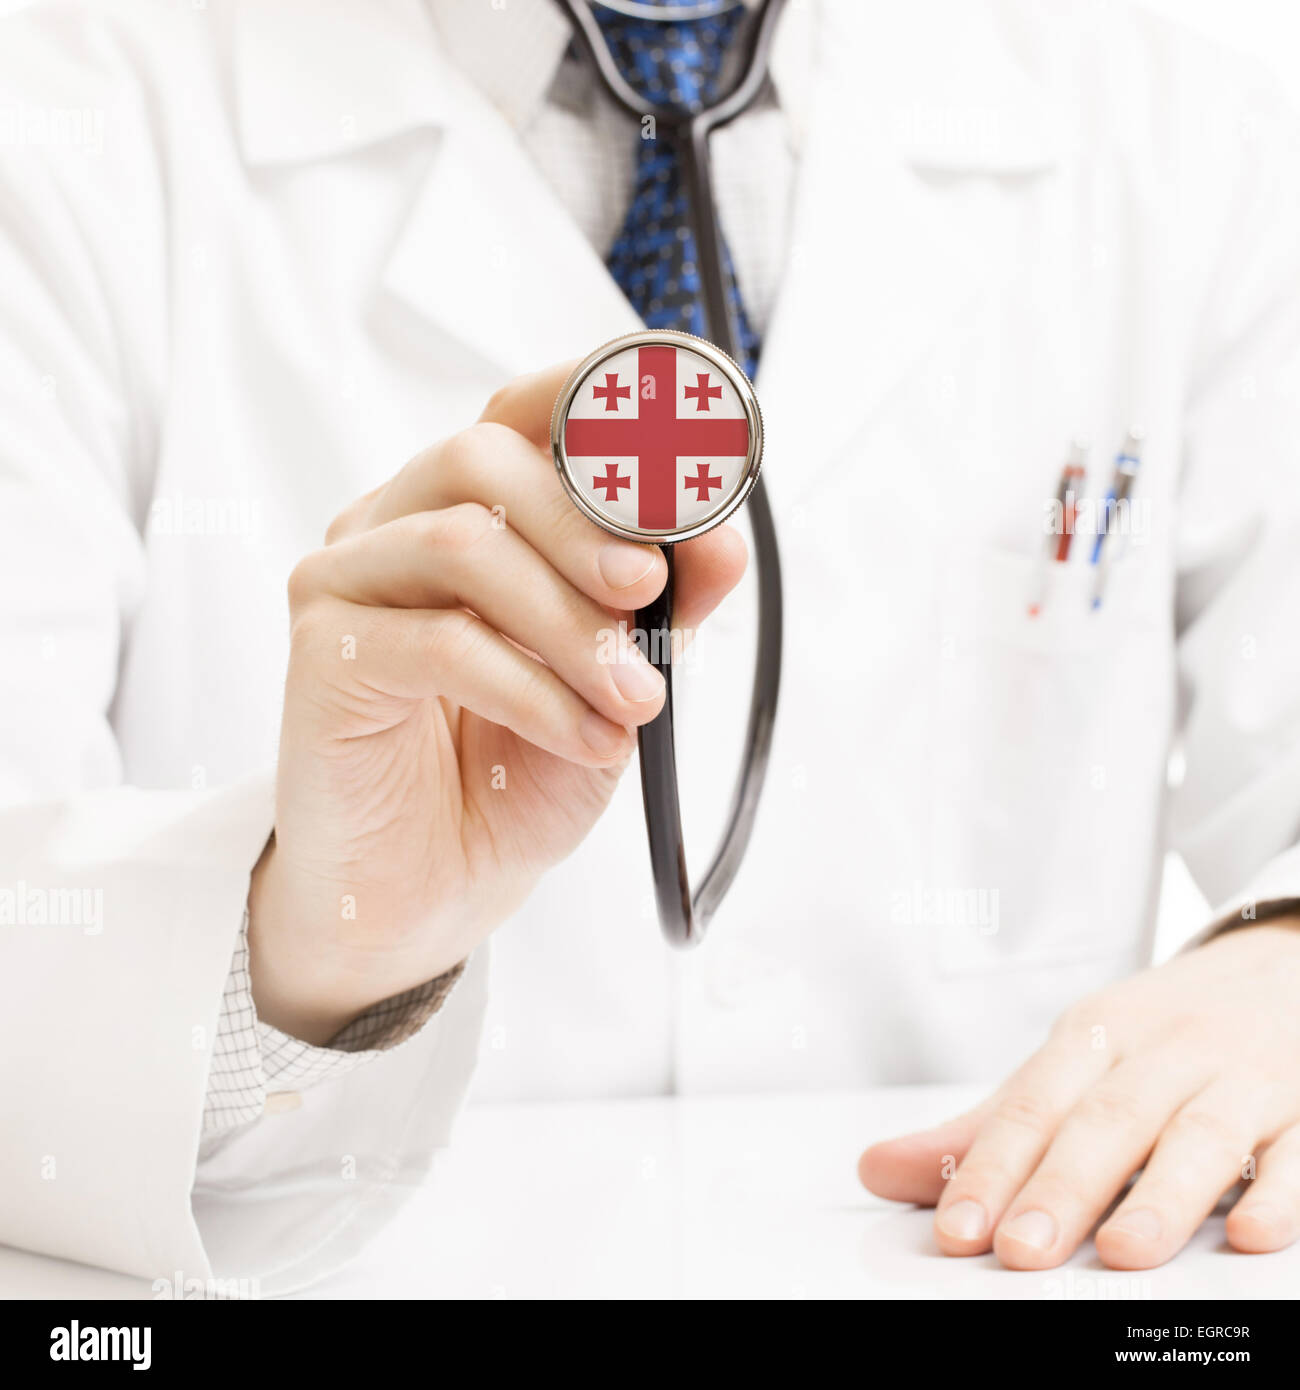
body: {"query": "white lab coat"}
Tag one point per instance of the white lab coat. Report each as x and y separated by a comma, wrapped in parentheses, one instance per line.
(304, 247)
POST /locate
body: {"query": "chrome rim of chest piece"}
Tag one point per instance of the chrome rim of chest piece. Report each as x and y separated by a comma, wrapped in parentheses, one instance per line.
(657, 436)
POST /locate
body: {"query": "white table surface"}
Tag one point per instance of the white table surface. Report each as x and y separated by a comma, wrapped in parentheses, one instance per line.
(728, 1197)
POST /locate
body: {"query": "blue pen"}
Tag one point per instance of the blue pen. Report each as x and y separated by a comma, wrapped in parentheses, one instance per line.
(1126, 467)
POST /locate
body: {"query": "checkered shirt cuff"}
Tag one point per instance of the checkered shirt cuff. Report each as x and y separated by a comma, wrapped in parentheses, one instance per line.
(251, 1059)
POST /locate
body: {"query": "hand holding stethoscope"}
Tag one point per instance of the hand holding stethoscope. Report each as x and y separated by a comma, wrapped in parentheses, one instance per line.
(683, 915)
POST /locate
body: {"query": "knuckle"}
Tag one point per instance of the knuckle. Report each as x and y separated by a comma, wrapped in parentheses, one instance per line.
(453, 528)
(1109, 1107)
(339, 527)
(455, 638)
(306, 580)
(532, 690)
(499, 403)
(1021, 1110)
(415, 480)
(1080, 1019)
(1204, 1129)
(468, 457)
(352, 518)
(466, 524)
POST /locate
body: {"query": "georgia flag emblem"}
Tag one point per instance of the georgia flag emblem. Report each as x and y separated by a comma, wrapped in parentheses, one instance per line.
(657, 436)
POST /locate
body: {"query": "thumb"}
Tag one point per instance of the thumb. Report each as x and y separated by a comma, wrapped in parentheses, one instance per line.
(525, 405)
(916, 1167)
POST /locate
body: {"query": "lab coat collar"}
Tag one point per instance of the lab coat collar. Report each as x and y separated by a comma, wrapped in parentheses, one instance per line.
(317, 78)
(486, 253)
(940, 79)
(491, 256)
(540, 293)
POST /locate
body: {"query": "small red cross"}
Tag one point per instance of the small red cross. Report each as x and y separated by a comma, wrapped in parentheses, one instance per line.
(612, 391)
(701, 391)
(702, 482)
(612, 481)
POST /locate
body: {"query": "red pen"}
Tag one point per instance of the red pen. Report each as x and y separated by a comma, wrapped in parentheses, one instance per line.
(1057, 549)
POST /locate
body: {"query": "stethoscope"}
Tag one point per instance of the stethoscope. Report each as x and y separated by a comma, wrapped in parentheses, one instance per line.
(683, 915)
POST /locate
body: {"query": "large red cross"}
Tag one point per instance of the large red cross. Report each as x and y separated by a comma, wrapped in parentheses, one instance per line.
(657, 439)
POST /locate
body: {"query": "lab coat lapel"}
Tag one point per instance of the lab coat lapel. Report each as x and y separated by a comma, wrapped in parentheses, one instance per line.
(876, 270)
(313, 80)
(490, 256)
(486, 252)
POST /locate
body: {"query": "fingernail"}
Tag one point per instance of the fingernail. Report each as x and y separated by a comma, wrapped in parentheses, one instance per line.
(1035, 1229)
(1143, 1223)
(964, 1220)
(603, 738)
(622, 565)
(634, 677)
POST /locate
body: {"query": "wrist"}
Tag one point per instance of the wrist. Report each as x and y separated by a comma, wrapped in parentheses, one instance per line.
(313, 969)
(286, 993)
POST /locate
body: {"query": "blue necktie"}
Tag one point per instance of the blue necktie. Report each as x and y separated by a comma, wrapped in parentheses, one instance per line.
(675, 64)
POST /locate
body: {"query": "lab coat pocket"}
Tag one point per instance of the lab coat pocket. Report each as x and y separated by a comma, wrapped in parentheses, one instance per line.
(1033, 858)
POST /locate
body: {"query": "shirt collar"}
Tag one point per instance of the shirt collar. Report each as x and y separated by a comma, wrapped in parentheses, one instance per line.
(513, 54)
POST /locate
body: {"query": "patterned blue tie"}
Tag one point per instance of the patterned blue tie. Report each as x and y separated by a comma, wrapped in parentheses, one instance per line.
(675, 64)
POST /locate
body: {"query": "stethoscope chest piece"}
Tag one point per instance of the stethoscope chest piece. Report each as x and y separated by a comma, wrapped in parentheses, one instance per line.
(657, 436)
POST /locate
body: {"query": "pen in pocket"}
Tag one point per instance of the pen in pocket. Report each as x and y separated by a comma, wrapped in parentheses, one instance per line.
(1116, 503)
(1061, 532)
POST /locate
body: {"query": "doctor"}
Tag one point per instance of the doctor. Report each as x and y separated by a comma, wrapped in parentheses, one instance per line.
(285, 285)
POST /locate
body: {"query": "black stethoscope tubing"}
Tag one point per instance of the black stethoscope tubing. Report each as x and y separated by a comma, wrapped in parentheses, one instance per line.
(684, 918)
